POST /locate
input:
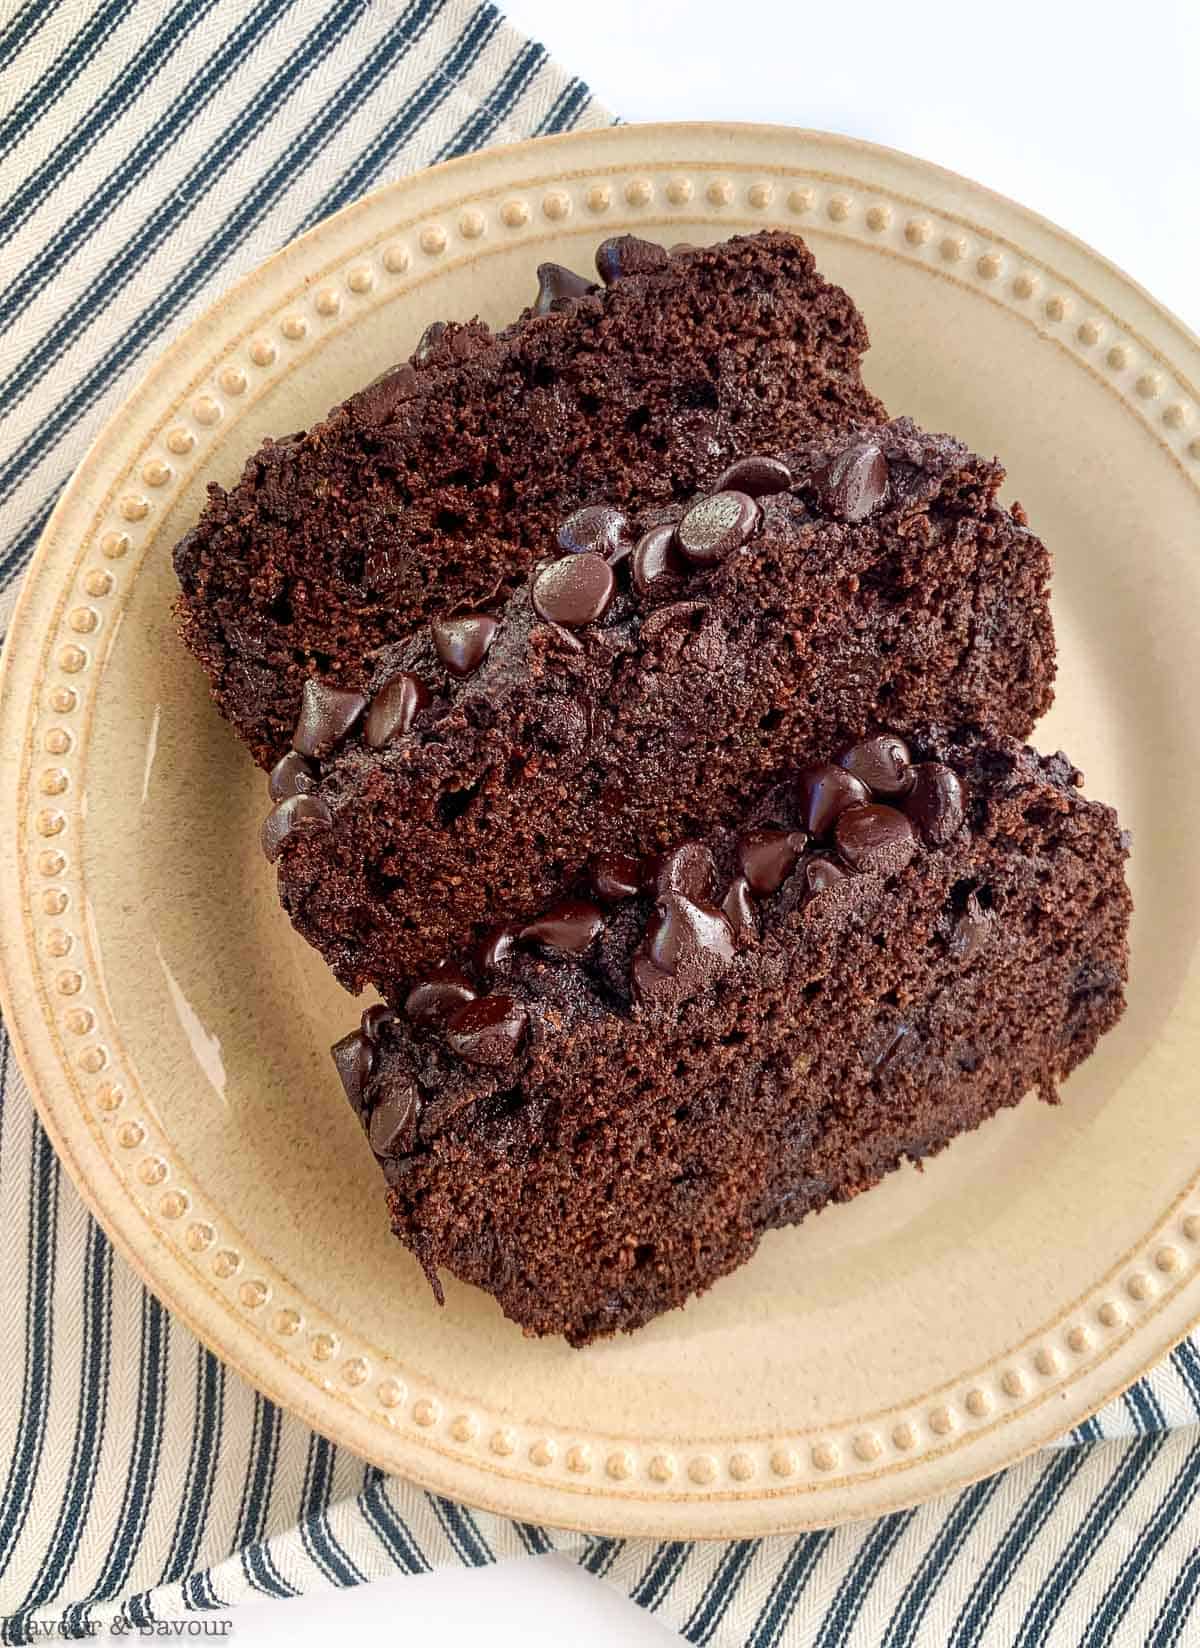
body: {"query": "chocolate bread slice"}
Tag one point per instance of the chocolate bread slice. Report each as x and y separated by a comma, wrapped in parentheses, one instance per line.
(646, 687)
(444, 479)
(604, 1113)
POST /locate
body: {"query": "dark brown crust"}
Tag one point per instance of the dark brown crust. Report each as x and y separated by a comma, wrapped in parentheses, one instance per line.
(435, 486)
(662, 720)
(630, 1156)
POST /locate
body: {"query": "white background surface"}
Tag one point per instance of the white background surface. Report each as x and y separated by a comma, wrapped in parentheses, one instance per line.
(1088, 113)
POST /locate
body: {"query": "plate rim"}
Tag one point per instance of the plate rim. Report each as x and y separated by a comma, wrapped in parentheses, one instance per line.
(414, 1457)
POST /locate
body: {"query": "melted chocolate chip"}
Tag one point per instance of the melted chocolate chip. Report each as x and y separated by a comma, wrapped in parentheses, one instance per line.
(462, 643)
(767, 857)
(972, 932)
(615, 877)
(757, 477)
(596, 529)
(715, 526)
(569, 928)
(354, 1060)
(656, 560)
(883, 764)
(824, 794)
(688, 941)
(432, 1000)
(937, 804)
(887, 1047)
(687, 869)
(496, 946)
(428, 342)
(557, 284)
(374, 1019)
(392, 1130)
(875, 838)
(394, 708)
(488, 1031)
(291, 775)
(646, 980)
(297, 812)
(854, 482)
(326, 715)
(821, 874)
(738, 908)
(626, 255)
(574, 590)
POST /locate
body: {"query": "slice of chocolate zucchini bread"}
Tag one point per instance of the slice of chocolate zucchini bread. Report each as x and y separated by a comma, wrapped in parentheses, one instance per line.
(603, 1111)
(647, 682)
(444, 479)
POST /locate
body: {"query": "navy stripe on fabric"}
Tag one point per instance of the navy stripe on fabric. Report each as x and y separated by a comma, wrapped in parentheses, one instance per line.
(906, 1620)
(152, 146)
(461, 1531)
(316, 1535)
(566, 109)
(143, 1463)
(602, 1553)
(1186, 1363)
(787, 1590)
(1004, 1563)
(1177, 1605)
(1144, 1406)
(186, 198)
(60, 76)
(842, 1614)
(117, 97)
(660, 1573)
(398, 130)
(1073, 1560)
(391, 1530)
(37, 1367)
(481, 126)
(23, 26)
(720, 1591)
(1171, 1513)
(22, 546)
(90, 1417)
(209, 1405)
(257, 1564)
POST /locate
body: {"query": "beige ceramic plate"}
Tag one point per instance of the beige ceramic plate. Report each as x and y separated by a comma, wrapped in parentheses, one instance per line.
(175, 1031)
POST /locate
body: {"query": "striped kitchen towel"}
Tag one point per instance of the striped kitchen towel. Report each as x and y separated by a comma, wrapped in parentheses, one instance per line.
(150, 152)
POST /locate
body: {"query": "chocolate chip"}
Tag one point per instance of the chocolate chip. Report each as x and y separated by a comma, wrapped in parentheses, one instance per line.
(291, 775)
(972, 932)
(326, 715)
(596, 529)
(295, 813)
(648, 981)
(738, 908)
(462, 643)
(569, 928)
(767, 857)
(937, 804)
(354, 1060)
(496, 946)
(689, 941)
(824, 794)
(887, 1047)
(374, 1019)
(757, 477)
(883, 764)
(625, 255)
(686, 869)
(394, 708)
(615, 877)
(656, 560)
(555, 285)
(392, 1130)
(854, 482)
(715, 526)
(574, 590)
(820, 875)
(488, 1031)
(432, 1000)
(428, 342)
(875, 838)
